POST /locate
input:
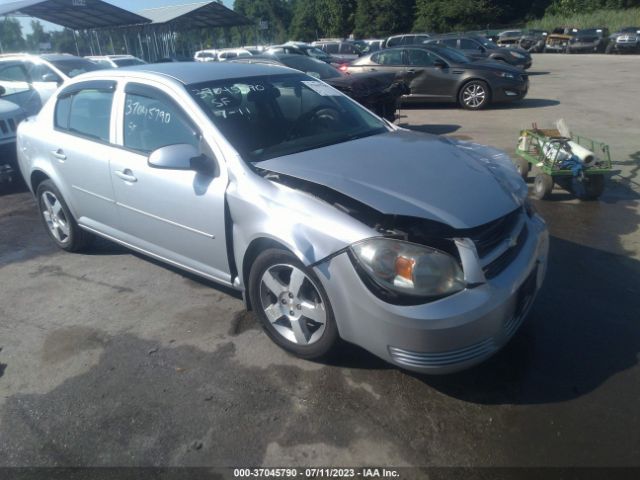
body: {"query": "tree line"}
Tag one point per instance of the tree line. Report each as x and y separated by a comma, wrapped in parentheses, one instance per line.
(281, 20)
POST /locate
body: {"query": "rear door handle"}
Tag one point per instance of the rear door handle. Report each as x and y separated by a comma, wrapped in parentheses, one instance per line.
(126, 175)
(59, 154)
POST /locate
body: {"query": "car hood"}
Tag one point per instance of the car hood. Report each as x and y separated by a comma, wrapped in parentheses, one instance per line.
(413, 174)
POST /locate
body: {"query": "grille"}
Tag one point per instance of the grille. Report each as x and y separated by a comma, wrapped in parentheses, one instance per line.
(3, 127)
(503, 261)
(488, 236)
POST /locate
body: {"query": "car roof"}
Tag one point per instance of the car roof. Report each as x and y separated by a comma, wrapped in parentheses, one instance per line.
(44, 56)
(196, 72)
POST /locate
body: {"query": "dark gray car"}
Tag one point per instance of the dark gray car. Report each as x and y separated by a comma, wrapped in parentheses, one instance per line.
(478, 47)
(441, 74)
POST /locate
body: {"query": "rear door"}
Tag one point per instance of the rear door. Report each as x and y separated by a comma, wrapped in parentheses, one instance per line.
(425, 79)
(177, 215)
(81, 148)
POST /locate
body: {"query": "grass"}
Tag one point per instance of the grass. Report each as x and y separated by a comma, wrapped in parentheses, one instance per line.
(614, 20)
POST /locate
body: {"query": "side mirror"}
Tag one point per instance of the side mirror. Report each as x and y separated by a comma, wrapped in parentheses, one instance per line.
(439, 63)
(181, 156)
(51, 77)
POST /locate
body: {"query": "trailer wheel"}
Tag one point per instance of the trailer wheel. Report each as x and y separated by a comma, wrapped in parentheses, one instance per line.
(593, 187)
(542, 186)
(523, 167)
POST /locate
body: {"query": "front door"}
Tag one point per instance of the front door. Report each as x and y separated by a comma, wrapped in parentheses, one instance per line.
(425, 79)
(178, 215)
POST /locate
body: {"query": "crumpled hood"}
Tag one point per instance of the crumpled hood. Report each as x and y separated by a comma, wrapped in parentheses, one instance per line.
(413, 174)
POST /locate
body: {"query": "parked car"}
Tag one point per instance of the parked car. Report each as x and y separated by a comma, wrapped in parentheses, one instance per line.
(116, 61)
(533, 41)
(558, 40)
(302, 49)
(209, 55)
(509, 38)
(477, 47)
(26, 83)
(626, 40)
(406, 39)
(379, 92)
(343, 51)
(332, 222)
(231, 53)
(589, 40)
(440, 74)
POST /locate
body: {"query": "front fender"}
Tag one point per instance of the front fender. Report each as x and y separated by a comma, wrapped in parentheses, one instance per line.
(310, 228)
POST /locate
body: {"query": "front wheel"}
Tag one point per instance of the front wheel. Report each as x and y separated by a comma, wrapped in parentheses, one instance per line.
(292, 305)
(474, 95)
(60, 224)
(592, 187)
(542, 186)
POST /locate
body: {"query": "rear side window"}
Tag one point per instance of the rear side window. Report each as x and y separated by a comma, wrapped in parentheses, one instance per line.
(450, 42)
(331, 48)
(86, 113)
(388, 57)
(153, 121)
(468, 44)
(394, 42)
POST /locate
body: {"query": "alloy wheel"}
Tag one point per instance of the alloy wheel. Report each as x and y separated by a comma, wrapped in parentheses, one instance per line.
(54, 217)
(293, 305)
(474, 95)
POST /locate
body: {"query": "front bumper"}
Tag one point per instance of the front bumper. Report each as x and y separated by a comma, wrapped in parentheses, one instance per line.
(509, 91)
(446, 335)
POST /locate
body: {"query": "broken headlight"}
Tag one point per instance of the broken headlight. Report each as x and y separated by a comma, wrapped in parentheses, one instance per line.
(406, 272)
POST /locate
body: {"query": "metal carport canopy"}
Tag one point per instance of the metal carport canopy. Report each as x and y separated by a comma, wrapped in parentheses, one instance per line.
(74, 14)
(196, 15)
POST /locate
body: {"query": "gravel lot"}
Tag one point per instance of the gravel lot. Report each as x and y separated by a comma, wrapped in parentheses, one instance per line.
(108, 358)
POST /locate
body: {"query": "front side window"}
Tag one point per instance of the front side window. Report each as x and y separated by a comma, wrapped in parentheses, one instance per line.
(466, 44)
(152, 122)
(270, 116)
(450, 42)
(42, 73)
(331, 48)
(420, 58)
(86, 113)
(394, 42)
(388, 57)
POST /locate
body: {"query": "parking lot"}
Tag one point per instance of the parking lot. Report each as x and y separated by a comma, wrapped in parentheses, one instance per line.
(109, 358)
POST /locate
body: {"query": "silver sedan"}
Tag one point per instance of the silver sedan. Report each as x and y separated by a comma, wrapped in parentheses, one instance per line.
(332, 222)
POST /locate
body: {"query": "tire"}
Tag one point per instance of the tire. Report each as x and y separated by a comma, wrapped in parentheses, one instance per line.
(593, 187)
(523, 167)
(58, 220)
(469, 95)
(609, 49)
(542, 186)
(301, 322)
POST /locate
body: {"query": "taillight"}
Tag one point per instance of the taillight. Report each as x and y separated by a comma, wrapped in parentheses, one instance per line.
(343, 67)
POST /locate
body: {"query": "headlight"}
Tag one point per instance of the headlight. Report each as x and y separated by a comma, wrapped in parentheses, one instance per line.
(406, 269)
(516, 54)
(508, 75)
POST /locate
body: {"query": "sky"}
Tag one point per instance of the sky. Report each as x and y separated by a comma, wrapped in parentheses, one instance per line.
(126, 4)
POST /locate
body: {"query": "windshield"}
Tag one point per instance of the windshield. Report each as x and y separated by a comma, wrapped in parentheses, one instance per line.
(75, 66)
(316, 52)
(452, 55)
(128, 62)
(487, 43)
(311, 66)
(589, 32)
(270, 116)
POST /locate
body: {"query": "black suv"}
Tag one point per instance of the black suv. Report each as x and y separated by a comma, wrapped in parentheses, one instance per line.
(478, 47)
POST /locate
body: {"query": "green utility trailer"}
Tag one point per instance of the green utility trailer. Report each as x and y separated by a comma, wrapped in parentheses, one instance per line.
(543, 152)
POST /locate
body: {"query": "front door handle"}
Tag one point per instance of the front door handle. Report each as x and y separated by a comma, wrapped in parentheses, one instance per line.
(59, 154)
(126, 175)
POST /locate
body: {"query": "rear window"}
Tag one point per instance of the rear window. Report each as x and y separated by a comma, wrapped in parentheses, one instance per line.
(128, 62)
(75, 66)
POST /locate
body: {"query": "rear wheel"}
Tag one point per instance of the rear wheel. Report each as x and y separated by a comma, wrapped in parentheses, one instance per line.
(542, 186)
(292, 305)
(592, 187)
(474, 95)
(56, 216)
